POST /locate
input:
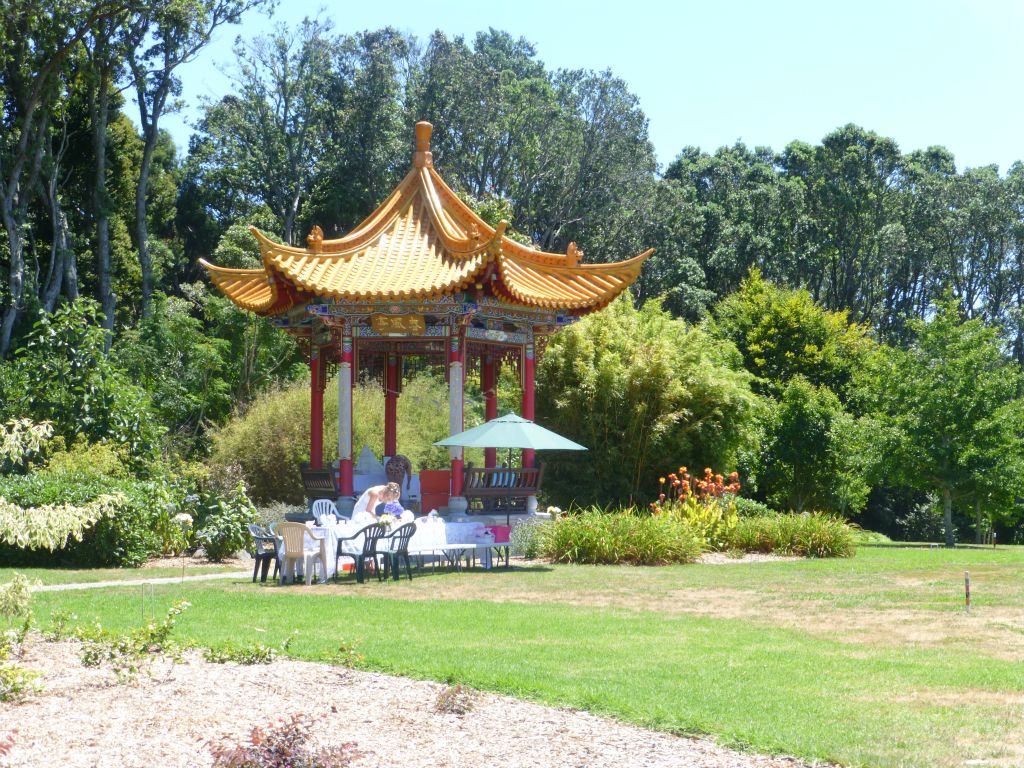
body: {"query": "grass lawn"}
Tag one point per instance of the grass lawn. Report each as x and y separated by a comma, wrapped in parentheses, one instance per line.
(867, 661)
(85, 575)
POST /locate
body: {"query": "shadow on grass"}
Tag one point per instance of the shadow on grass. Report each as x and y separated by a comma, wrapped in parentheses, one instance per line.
(349, 579)
(923, 545)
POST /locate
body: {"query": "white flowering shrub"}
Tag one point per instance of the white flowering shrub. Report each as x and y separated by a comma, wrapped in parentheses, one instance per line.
(51, 526)
(20, 439)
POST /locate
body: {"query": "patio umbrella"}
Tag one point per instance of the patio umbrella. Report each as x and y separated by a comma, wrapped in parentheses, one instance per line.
(511, 431)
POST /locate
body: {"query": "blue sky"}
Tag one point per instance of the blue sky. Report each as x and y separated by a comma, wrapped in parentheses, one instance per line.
(943, 72)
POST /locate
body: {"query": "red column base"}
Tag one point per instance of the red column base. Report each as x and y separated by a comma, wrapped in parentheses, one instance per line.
(345, 477)
(456, 477)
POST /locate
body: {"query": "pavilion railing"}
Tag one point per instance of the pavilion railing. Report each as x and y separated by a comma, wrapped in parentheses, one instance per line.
(500, 489)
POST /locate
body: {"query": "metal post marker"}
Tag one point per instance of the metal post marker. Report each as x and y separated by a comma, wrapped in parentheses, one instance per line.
(967, 590)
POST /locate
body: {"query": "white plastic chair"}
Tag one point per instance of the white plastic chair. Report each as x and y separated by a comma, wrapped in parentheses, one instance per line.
(295, 537)
(323, 507)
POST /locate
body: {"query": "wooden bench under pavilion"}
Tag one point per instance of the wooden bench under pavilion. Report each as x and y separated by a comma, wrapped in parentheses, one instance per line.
(423, 277)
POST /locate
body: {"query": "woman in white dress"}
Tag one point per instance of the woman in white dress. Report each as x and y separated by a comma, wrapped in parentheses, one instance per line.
(378, 494)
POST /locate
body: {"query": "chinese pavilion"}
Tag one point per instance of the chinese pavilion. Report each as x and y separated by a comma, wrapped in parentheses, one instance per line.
(422, 276)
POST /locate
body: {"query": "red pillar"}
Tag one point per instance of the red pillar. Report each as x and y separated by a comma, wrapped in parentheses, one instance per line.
(489, 385)
(528, 396)
(316, 410)
(391, 405)
(456, 395)
(345, 418)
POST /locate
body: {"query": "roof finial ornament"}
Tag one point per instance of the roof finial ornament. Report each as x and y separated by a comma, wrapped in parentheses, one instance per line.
(423, 157)
(573, 255)
(315, 239)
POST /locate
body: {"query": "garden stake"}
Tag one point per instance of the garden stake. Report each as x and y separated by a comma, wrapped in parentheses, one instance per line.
(967, 590)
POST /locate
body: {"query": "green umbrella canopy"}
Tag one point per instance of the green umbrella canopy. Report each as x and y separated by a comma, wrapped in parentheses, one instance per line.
(511, 431)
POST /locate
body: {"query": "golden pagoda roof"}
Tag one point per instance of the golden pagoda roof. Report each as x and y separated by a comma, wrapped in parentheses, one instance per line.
(421, 242)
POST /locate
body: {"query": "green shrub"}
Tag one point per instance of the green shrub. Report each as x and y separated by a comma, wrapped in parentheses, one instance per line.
(121, 536)
(637, 387)
(89, 459)
(861, 536)
(525, 538)
(272, 437)
(63, 375)
(597, 536)
(129, 654)
(222, 522)
(814, 535)
(749, 508)
(16, 682)
(16, 597)
(254, 653)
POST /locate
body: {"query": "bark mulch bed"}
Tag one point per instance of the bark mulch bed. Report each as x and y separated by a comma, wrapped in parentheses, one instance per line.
(84, 719)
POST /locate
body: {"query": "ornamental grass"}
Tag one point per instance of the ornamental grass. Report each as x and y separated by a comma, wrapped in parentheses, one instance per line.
(814, 535)
(599, 536)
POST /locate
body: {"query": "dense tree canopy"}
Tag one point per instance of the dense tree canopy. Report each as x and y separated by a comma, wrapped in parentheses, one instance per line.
(814, 290)
(645, 393)
(951, 413)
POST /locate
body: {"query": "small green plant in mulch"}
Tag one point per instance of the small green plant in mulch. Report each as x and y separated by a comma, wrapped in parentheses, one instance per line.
(62, 626)
(253, 653)
(128, 655)
(348, 656)
(17, 683)
(281, 744)
(455, 700)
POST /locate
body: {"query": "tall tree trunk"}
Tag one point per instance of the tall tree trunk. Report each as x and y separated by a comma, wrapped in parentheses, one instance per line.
(100, 113)
(947, 515)
(141, 225)
(58, 250)
(150, 123)
(14, 211)
(70, 267)
(16, 281)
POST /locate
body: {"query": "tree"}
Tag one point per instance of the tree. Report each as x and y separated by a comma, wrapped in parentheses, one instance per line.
(267, 138)
(747, 215)
(37, 41)
(64, 376)
(166, 35)
(951, 412)
(782, 334)
(812, 453)
(644, 393)
(184, 369)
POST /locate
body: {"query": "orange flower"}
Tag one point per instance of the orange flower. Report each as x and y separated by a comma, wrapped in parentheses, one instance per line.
(661, 480)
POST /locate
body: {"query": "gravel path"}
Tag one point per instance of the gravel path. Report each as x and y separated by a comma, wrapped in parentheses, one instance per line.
(83, 719)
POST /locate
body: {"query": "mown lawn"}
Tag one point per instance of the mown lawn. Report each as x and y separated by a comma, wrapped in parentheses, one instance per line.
(88, 575)
(867, 661)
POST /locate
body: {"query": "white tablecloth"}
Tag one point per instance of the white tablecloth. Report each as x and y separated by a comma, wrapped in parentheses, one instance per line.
(432, 535)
